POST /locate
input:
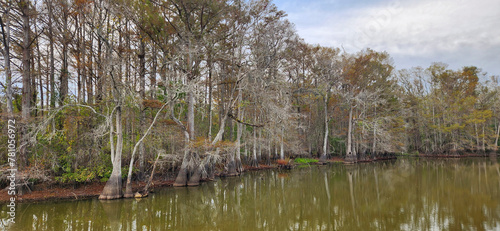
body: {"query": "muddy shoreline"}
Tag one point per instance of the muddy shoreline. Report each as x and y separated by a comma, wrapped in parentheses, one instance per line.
(53, 192)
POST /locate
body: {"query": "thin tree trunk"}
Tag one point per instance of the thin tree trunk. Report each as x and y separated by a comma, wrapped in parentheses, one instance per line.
(33, 85)
(350, 154)
(152, 75)
(255, 163)
(145, 191)
(239, 131)
(128, 186)
(51, 56)
(100, 75)
(477, 136)
(6, 53)
(91, 59)
(209, 107)
(325, 140)
(435, 134)
(79, 62)
(142, 90)
(63, 79)
(26, 101)
(83, 64)
(484, 145)
(269, 148)
(495, 146)
(259, 146)
(127, 60)
(40, 77)
(190, 115)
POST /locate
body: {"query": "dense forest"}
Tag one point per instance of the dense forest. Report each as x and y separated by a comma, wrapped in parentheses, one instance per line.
(106, 90)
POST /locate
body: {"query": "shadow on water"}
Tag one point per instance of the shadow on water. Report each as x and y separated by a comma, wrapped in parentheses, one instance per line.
(407, 194)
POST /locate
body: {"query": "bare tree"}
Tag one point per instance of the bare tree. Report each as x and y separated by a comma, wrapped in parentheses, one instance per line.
(5, 26)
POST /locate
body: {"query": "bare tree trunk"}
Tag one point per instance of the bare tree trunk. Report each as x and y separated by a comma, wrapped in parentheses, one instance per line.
(90, 90)
(477, 137)
(26, 101)
(83, 64)
(209, 107)
(47, 84)
(26, 76)
(150, 181)
(220, 133)
(435, 135)
(254, 162)
(100, 76)
(6, 54)
(63, 79)
(142, 90)
(51, 57)
(276, 155)
(269, 148)
(39, 73)
(129, 56)
(113, 188)
(325, 141)
(350, 155)
(259, 146)
(495, 146)
(239, 131)
(187, 175)
(190, 115)
(154, 67)
(484, 145)
(33, 85)
(79, 61)
(231, 128)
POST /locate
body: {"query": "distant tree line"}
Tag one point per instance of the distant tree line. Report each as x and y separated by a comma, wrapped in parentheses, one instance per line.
(104, 89)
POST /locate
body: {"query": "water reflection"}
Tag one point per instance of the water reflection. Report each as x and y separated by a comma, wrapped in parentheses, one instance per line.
(407, 194)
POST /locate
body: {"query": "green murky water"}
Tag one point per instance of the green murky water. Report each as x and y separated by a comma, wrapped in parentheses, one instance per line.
(407, 194)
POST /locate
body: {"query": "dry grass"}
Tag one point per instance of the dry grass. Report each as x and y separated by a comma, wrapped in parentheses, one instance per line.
(283, 162)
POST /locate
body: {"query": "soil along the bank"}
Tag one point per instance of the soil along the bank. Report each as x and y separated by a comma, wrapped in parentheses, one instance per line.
(46, 192)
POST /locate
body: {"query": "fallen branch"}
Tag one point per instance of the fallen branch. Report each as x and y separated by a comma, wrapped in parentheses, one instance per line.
(146, 188)
(241, 122)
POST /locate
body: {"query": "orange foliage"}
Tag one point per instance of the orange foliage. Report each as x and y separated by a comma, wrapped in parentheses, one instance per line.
(152, 103)
(282, 162)
(167, 122)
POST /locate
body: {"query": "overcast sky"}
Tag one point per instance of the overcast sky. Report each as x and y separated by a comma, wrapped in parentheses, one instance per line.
(414, 32)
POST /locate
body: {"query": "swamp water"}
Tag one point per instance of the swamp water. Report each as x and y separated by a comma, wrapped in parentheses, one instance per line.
(405, 194)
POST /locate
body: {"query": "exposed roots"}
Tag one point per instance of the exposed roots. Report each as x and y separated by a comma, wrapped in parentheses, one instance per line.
(193, 168)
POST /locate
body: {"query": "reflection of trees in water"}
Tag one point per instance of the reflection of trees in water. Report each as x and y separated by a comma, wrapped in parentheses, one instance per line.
(405, 194)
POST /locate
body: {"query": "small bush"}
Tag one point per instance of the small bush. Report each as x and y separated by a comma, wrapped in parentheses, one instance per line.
(305, 160)
(85, 175)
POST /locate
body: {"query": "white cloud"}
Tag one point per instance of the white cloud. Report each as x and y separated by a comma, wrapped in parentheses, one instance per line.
(458, 32)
